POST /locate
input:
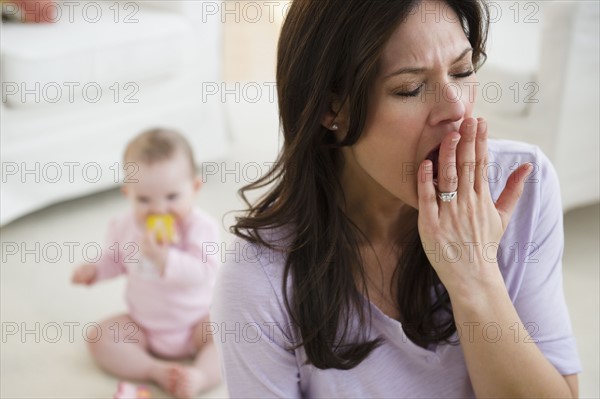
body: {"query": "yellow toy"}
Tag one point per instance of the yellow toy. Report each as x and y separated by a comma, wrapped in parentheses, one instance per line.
(163, 227)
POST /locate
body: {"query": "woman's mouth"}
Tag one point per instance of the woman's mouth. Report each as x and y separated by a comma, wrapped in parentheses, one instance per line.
(433, 156)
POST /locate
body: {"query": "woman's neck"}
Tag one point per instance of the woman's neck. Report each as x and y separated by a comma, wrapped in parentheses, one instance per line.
(379, 215)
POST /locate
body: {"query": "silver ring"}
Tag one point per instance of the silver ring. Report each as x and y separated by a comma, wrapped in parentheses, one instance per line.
(447, 197)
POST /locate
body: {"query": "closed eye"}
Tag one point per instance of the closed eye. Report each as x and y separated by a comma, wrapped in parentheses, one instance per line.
(413, 93)
(416, 92)
(464, 74)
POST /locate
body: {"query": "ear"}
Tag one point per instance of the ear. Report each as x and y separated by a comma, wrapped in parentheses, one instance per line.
(336, 116)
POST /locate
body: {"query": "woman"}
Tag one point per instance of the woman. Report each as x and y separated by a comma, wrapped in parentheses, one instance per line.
(399, 252)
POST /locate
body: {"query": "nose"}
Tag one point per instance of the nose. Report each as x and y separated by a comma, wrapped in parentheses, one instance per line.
(449, 105)
(158, 207)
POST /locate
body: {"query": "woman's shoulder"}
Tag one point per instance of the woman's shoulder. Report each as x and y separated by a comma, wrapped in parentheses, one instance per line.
(533, 237)
(510, 154)
(250, 278)
(505, 156)
(541, 196)
(248, 261)
(497, 145)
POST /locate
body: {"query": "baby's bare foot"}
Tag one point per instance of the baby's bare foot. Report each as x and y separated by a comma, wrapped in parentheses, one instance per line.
(189, 381)
(165, 376)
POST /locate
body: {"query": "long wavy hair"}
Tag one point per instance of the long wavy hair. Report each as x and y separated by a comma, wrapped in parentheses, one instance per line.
(325, 47)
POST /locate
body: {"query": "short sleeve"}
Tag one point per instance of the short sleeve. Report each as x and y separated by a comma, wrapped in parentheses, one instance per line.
(251, 328)
(540, 300)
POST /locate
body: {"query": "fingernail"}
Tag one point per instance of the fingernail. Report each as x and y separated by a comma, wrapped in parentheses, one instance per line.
(529, 167)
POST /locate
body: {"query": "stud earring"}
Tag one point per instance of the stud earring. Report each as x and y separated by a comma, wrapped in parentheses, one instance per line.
(334, 126)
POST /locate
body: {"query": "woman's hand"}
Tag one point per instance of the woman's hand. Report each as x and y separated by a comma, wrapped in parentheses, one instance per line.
(461, 237)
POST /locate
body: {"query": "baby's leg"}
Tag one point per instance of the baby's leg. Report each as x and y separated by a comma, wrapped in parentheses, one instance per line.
(206, 371)
(122, 350)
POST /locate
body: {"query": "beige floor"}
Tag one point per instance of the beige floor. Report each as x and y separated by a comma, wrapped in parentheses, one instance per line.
(36, 294)
(38, 291)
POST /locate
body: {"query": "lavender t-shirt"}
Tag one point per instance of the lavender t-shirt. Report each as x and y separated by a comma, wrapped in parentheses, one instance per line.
(252, 327)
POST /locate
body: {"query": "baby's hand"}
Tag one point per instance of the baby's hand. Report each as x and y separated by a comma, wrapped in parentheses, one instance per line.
(154, 250)
(84, 274)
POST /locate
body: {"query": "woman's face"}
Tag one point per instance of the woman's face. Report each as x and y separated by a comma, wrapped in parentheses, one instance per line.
(424, 90)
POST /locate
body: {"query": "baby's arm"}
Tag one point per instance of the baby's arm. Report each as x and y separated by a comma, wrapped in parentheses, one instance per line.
(109, 265)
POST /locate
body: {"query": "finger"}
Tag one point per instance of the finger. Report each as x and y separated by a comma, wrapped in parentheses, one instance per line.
(163, 242)
(481, 159)
(465, 157)
(151, 237)
(447, 175)
(148, 242)
(91, 275)
(428, 206)
(512, 192)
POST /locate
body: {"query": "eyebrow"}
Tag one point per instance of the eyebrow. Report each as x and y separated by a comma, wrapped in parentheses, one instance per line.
(421, 70)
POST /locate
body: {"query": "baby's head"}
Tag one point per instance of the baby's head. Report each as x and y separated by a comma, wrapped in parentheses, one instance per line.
(160, 174)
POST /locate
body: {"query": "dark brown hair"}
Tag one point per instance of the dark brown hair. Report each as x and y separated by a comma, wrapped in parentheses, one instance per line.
(334, 46)
(158, 144)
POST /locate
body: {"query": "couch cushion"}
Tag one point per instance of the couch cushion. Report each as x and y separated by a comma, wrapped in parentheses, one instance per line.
(143, 44)
(508, 80)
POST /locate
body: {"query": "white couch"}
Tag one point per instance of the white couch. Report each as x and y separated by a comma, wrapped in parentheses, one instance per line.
(544, 57)
(60, 137)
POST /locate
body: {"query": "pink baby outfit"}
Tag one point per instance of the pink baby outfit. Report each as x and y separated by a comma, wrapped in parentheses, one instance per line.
(165, 307)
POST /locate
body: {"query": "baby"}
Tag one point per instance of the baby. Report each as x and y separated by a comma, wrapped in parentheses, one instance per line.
(169, 279)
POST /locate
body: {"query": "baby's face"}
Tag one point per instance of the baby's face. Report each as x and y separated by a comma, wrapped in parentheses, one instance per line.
(164, 187)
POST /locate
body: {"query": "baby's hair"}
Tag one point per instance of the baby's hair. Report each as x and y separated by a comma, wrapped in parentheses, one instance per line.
(156, 145)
